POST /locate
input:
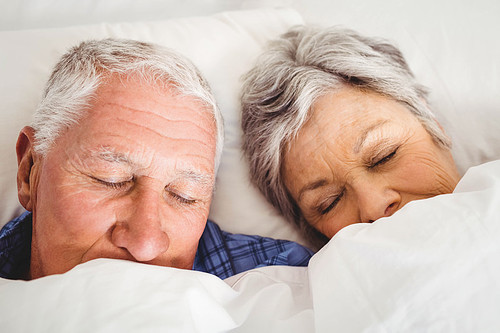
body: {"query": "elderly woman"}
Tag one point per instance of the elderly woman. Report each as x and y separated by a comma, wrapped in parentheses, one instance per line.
(338, 131)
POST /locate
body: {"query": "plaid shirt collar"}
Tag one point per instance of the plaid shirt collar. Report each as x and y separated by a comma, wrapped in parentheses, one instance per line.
(15, 247)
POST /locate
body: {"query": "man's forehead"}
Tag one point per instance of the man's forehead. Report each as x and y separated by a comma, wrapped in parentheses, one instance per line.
(116, 86)
(139, 99)
(155, 118)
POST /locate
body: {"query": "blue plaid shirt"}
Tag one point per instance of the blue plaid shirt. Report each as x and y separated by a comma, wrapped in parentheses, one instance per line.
(219, 252)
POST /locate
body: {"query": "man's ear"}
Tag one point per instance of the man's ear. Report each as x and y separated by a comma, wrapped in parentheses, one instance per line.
(26, 157)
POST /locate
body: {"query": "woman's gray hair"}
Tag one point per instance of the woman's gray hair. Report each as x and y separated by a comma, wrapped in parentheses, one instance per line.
(71, 88)
(302, 65)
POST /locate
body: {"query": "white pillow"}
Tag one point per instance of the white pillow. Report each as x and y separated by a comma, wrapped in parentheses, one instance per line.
(458, 61)
(223, 46)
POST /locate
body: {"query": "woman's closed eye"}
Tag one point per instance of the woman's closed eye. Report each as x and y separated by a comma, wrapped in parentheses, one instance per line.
(378, 161)
(330, 204)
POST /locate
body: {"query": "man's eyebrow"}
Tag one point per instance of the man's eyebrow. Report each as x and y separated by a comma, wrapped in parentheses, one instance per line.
(196, 176)
(362, 138)
(108, 154)
(311, 186)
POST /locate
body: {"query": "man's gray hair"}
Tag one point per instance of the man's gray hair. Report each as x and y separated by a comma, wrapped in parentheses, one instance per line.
(302, 65)
(71, 88)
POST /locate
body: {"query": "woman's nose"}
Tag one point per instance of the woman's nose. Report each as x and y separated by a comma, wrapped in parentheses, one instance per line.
(140, 232)
(376, 201)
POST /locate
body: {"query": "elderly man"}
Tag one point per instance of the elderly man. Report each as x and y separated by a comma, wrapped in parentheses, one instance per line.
(120, 163)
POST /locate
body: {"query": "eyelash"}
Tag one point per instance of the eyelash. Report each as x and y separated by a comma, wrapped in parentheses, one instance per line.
(384, 159)
(121, 185)
(114, 186)
(182, 199)
(332, 204)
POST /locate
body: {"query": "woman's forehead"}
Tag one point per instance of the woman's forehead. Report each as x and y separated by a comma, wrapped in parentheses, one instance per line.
(343, 122)
(350, 111)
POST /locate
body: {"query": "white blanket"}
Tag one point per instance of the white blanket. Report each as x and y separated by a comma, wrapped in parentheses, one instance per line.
(434, 266)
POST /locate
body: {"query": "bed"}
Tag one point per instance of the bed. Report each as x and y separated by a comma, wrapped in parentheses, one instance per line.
(433, 266)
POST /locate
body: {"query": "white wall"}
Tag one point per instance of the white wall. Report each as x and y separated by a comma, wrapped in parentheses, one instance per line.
(20, 14)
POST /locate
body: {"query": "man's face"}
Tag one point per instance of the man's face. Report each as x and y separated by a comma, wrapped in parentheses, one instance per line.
(133, 180)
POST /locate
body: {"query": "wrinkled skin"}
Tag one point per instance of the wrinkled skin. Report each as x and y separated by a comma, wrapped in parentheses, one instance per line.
(362, 156)
(133, 180)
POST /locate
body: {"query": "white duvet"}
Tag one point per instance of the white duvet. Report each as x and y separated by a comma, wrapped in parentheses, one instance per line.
(434, 266)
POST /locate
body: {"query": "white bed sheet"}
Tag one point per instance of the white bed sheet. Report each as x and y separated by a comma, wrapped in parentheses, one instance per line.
(433, 267)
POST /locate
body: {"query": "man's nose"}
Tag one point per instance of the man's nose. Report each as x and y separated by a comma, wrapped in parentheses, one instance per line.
(376, 201)
(140, 231)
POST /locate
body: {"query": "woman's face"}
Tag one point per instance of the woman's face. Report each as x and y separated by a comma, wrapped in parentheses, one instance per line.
(362, 156)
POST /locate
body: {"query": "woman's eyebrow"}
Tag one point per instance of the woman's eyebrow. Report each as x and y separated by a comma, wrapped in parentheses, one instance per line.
(362, 138)
(310, 187)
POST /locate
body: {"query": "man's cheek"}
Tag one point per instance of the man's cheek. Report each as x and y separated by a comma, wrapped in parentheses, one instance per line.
(83, 212)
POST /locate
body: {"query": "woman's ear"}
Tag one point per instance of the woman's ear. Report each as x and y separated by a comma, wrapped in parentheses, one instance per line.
(25, 161)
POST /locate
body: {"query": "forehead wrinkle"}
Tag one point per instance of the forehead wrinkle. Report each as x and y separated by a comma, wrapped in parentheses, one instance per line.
(163, 115)
(197, 141)
(315, 125)
(318, 183)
